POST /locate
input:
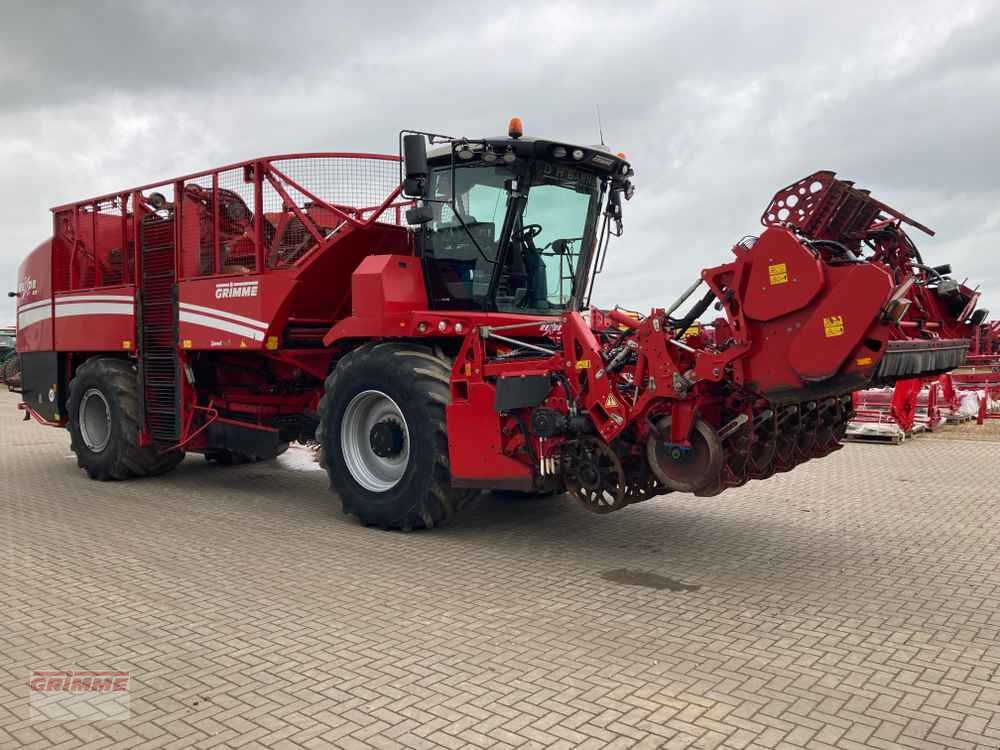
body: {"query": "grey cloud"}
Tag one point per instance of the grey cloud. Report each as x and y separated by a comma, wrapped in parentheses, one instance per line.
(717, 105)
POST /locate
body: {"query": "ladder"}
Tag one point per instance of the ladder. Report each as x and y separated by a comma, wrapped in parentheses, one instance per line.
(159, 366)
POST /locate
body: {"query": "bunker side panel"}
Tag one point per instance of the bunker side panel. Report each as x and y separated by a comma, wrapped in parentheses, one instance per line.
(237, 312)
(96, 320)
(34, 301)
(42, 385)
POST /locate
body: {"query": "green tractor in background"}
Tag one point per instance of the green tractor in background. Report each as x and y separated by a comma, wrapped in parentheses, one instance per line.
(10, 363)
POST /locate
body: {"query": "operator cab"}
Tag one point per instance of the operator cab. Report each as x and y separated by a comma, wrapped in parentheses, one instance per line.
(512, 224)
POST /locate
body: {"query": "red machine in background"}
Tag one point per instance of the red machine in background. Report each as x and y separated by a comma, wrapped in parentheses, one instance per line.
(981, 371)
(924, 403)
(231, 311)
(929, 402)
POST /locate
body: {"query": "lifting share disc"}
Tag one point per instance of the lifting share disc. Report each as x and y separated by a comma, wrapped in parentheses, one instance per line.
(685, 470)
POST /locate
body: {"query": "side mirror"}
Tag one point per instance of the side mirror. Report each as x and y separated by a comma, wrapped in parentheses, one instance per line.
(415, 160)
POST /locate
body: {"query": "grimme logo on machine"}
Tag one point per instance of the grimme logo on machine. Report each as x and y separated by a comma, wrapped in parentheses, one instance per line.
(27, 287)
(230, 289)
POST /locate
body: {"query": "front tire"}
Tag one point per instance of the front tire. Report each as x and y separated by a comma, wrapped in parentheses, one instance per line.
(104, 423)
(383, 436)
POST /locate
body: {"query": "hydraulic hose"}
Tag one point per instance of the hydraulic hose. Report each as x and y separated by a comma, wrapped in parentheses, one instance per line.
(695, 312)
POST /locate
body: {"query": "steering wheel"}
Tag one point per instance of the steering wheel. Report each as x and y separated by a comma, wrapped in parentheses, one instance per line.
(527, 232)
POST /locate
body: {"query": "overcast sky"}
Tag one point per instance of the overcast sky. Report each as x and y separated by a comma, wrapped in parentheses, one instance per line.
(716, 104)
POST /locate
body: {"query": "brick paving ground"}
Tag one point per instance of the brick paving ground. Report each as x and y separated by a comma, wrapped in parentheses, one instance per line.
(854, 602)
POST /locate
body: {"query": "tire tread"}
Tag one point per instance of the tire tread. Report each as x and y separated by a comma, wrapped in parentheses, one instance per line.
(430, 377)
(120, 382)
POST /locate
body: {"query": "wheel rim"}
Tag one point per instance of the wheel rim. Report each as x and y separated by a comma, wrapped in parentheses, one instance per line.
(375, 441)
(95, 420)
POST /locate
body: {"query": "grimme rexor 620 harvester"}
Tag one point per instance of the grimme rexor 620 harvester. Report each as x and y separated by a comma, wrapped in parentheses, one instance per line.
(426, 317)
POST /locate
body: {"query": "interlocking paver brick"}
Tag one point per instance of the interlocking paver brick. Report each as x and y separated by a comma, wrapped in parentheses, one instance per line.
(852, 603)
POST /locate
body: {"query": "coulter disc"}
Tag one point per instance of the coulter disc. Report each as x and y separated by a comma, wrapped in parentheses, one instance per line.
(687, 470)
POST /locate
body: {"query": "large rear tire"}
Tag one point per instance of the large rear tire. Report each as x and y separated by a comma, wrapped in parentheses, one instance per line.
(383, 436)
(104, 423)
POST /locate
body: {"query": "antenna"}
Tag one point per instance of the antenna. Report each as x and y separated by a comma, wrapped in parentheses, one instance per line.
(600, 128)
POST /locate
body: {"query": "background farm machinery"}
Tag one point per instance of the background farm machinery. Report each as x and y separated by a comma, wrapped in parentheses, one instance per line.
(10, 364)
(234, 310)
(981, 371)
(971, 391)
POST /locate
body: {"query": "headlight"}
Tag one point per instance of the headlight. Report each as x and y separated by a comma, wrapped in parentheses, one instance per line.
(578, 153)
(559, 152)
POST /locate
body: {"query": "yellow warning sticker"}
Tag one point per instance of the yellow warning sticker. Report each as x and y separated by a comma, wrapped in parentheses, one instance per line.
(271, 343)
(243, 344)
(833, 326)
(611, 402)
(186, 343)
(862, 361)
(583, 364)
(778, 273)
(692, 331)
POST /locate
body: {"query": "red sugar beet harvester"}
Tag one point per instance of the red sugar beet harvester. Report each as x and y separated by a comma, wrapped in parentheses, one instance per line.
(426, 317)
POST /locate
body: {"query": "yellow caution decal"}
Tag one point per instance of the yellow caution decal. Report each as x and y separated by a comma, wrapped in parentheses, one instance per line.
(778, 273)
(611, 402)
(583, 364)
(833, 326)
(186, 343)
